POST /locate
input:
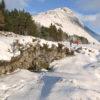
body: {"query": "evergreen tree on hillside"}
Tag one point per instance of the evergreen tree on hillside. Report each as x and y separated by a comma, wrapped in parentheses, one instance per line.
(2, 19)
(2, 5)
(44, 33)
(60, 35)
(53, 32)
(20, 22)
(84, 40)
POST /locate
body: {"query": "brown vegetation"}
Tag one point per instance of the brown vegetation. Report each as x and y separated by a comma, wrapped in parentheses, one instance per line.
(34, 58)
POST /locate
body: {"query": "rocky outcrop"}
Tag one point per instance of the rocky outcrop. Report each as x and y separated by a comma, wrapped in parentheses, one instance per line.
(34, 58)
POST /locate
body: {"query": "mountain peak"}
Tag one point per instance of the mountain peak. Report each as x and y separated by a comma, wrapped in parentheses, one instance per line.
(63, 10)
(66, 19)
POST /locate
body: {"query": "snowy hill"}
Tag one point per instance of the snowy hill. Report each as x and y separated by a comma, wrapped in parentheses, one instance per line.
(65, 19)
(7, 41)
(68, 81)
(11, 44)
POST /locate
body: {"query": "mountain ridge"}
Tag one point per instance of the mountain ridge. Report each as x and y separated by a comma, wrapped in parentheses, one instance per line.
(67, 20)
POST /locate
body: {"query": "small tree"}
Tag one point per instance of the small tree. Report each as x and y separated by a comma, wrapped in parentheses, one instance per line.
(20, 22)
(53, 32)
(44, 32)
(60, 35)
(2, 5)
(2, 19)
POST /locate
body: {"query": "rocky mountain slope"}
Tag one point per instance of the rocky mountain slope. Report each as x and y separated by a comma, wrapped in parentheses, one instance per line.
(65, 19)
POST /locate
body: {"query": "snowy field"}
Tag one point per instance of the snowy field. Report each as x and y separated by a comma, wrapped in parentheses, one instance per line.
(72, 78)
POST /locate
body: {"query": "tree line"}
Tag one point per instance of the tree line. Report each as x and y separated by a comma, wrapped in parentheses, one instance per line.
(21, 22)
(52, 33)
(2, 20)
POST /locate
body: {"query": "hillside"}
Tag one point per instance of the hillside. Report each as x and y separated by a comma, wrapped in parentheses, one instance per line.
(67, 81)
(27, 52)
(65, 19)
(50, 56)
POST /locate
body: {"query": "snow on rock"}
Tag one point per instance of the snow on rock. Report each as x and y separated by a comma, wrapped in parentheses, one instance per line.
(65, 19)
(8, 46)
(49, 43)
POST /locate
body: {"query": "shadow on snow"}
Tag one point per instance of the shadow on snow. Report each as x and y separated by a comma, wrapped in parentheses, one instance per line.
(49, 82)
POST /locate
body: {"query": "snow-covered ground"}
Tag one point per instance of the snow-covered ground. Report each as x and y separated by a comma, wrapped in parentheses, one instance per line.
(72, 78)
(9, 42)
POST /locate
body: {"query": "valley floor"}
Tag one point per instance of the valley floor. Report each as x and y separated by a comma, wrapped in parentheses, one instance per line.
(72, 78)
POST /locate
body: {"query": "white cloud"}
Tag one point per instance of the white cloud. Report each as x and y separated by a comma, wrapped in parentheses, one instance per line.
(96, 22)
(19, 4)
(92, 19)
(89, 4)
(86, 17)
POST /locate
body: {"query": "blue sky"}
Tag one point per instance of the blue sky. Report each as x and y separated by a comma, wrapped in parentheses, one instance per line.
(87, 10)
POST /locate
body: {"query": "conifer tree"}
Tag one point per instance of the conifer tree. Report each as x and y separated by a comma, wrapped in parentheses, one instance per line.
(2, 19)
(20, 22)
(2, 5)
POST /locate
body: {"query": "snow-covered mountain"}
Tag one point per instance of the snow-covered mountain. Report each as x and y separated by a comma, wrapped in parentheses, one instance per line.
(65, 19)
